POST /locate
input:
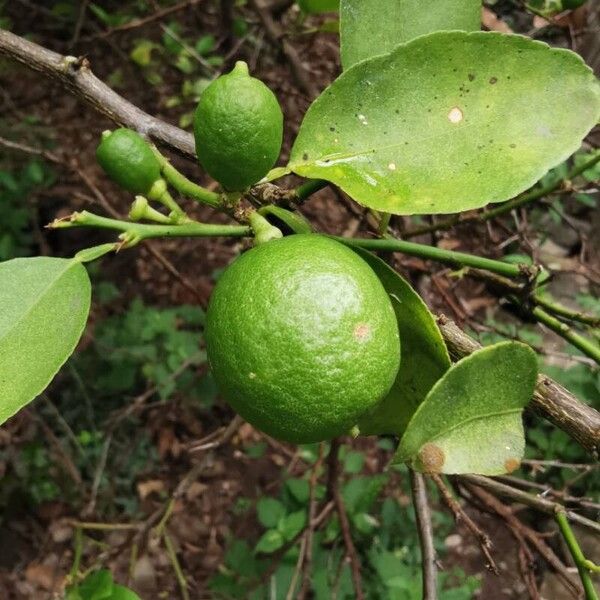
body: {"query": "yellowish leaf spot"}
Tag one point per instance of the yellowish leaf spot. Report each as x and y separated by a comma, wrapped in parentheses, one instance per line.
(455, 115)
(511, 464)
(432, 458)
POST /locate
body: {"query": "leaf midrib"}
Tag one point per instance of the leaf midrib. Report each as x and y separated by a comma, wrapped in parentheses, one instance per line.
(38, 301)
(500, 413)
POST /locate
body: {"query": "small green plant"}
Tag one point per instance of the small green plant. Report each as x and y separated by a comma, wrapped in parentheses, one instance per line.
(16, 188)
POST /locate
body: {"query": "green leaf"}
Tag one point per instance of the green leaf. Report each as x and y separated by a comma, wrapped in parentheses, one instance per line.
(95, 252)
(368, 29)
(354, 462)
(120, 592)
(319, 6)
(141, 54)
(299, 489)
(470, 421)
(423, 360)
(45, 303)
(291, 525)
(448, 122)
(292, 220)
(269, 542)
(97, 586)
(270, 511)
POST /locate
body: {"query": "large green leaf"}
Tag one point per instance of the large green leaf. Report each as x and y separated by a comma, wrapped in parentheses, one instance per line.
(371, 28)
(470, 421)
(448, 122)
(424, 357)
(45, 304)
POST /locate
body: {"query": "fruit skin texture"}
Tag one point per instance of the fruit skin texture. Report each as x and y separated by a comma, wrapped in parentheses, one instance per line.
(302, 338)
(238, 126)
(128, 160)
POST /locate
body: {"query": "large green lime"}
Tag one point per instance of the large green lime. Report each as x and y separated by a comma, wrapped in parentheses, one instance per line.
(238, 126)
(302, 338)
(128, 160)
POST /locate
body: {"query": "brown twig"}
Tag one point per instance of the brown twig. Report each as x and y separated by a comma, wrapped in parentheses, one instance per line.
(425, 531)
(522, 532)
(277, 37)
(550, 400)
(75, 74)
(542, 505)
(333, 491)
(460, 515)
(312, 510)
(135, 23)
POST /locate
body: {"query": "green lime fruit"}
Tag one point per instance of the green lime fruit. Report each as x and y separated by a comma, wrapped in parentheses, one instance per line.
(128, 160)
(302, 338)
(238, 126)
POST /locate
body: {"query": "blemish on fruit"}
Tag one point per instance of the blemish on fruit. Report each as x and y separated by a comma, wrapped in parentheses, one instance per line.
(392, 166)
(471, 77)
(363, 119)
(511, 464)
(455, 115)
(493, 80)
(432, 458)
(362, 331)
(305, 156)
(251, 375)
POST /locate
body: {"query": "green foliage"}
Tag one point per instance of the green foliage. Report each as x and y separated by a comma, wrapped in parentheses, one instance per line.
(99, 585)
(365, 133)
(383, 531)
(16, 188)
(197, 58)
(146, 346)
(369, 29)
(470, 421)
(45, 304)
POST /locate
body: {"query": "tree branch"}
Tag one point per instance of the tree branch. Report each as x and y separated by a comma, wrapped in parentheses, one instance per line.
(76, 75)
(550, 400)
(425, 531)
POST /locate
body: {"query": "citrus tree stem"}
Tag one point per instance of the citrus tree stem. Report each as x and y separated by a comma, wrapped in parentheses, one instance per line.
(438, 254)
(586, 346)
(578, 557)
(141, 231)
(184, 186)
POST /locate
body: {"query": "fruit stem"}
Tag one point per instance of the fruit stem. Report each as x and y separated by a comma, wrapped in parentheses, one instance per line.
(183, 185)
(141, 210)
(134, 233)
(263, 230)
(389, 244)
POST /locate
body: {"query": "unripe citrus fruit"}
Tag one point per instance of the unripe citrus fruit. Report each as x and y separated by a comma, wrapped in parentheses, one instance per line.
(128, 160)
(238, 126)
(302, 338)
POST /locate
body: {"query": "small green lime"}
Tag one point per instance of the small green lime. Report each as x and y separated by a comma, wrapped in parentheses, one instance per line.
(128, 160)
(302, 338)
(238, 126)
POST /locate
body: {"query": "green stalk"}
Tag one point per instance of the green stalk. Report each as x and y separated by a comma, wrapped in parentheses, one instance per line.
(309, 188)
(136, 232)
(586, 346)
(440, 255)
(566, 313)
(577, 554)
(184, 186)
